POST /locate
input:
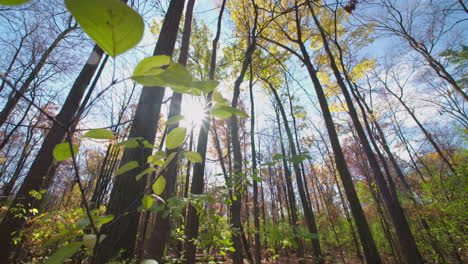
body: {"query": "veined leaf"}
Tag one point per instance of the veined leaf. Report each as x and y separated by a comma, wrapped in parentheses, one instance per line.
(176, 137)
(143, 173)
(217, 97)
(99, 134)
(206, 86)
(159, 185)
(127, 167)
(169, 159)
(194, 157)
(112, 24)
(62, 151)
(64, 253)
(147, 201)
(130, 143)
(174, 119)
(223, 110)
(149, 69)
(13, 2)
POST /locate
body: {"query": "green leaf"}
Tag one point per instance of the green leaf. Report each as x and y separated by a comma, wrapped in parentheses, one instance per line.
(194, 156)
(223, 110)
(82, 222)
(278, 157)
(176, 137)
(127, 167)
(206, 86)
(156, 157)
(148, 70)
(147, 144)
(147, 201)
(100, 220)
(188, 90)
(13, 2)
(143, 173)
(159, 185)
(169, 159)
(217, 97)
(174, 119)
(64, 253)
(113, 25)
(130, 143)
(62, 151)
(177, 76)
(256, 178)
(99, 134)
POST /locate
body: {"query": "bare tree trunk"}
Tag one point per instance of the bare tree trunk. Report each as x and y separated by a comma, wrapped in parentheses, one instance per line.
(14, 97)
(403, 231)
(126, 193)
(370, 249)
(192, 224)
(43, 163)
(237, 256)
(162, 227)
(255, 172)
(290, 194)
(308, 213)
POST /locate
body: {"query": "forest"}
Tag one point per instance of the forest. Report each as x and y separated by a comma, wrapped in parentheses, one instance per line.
(233, 131)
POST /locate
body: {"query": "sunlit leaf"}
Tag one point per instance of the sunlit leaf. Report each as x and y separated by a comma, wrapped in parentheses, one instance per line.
(159, 185)
(206, 86)
(147, 201)
(174, 119)
(156, 156)
(100, 220)
(217, 97)
(99, 134)
(143, 173)
(13, 2)
(169, 159)
(176, 137)
(64, 253)
(194, 156)
(148, 70)
(256, 178)
(223, 110)
(62, 151)
(278, 157)
(89, 240)
(113, 25)
(127, 167)
(130, 143)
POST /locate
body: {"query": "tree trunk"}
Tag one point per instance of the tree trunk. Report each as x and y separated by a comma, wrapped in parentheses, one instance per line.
(370, 249)
(14, 97)
(290, 194)
(192, 224)
(162, 228)
(309, 215)
(43, 163)
(405, 237)
(127, 192)
(255, 172)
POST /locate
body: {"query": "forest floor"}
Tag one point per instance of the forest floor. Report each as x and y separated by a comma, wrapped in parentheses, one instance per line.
(293, 260)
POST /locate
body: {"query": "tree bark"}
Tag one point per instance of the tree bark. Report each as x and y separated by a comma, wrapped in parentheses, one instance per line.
(44, 161)
(308, 213)
(370, 249)
(126, 193)
(162, 228)
(197, 186)
(257, 246)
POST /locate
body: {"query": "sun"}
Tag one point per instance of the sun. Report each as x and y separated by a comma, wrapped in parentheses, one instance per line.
(194, 112)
